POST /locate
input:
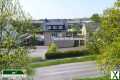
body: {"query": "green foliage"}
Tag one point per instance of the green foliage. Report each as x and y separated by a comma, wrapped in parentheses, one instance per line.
(13, 24)
(94, 43)
(107, 39)
(17, 59)
(25, 26)
(74, 28)
(96, 18)
(52, 48)
(117, 4)
(38, 29)
(75, 53)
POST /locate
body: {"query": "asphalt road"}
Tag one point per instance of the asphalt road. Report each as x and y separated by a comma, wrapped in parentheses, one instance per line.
(70, 71)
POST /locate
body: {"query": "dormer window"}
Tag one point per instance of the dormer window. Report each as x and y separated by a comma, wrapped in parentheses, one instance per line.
(63, 27)
(60, 27)
(54, 27)
(57, 27)
(49, 27)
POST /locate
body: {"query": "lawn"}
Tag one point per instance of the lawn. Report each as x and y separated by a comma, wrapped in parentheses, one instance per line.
(36, 59)
(62, 61)
(98, 78)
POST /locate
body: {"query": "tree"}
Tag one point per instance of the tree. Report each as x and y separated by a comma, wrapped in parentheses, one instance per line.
(74, 28)
(107, 39)
(13, 24)
(96, 18)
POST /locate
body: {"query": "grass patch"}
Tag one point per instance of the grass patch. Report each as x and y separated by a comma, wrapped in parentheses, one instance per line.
(36, 59)
(98, 78)
(63, 61)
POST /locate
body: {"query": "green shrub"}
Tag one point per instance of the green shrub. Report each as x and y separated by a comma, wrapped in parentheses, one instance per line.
(52, 48)
(73, 53)
(54, 55)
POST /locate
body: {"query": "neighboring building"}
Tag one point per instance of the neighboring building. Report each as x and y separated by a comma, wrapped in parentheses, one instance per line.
(64, 32)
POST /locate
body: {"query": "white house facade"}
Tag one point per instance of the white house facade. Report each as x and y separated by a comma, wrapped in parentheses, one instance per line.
(64, 32)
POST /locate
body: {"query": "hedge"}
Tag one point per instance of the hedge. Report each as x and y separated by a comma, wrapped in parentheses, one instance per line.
(66, 54)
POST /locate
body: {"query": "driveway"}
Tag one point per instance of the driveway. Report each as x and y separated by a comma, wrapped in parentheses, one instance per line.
(68, 71)
(39, 51)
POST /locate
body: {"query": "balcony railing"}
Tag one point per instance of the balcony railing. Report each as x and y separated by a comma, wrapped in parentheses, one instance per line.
(68, 38)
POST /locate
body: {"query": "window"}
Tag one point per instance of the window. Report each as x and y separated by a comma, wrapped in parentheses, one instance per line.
(82, 42)
(49, 27)
(54, 27)
(55, 34)
(60, 27)
(57, 27)
(63, 27)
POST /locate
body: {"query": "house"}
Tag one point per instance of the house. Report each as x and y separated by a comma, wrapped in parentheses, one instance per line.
(64, 32)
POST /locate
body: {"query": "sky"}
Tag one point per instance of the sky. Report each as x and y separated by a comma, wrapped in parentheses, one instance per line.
(57, 9)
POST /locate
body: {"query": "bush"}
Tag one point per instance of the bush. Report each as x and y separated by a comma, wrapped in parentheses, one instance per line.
(74, 53)
(52, 48)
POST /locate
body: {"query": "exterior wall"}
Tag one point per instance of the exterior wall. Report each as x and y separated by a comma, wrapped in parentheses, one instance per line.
(84, 33)
(69, 43)
(64, 43)
(47, 38)
(48, 33)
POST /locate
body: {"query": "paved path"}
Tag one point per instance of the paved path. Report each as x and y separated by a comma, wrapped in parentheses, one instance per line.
(68, 71)
(39, 51)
